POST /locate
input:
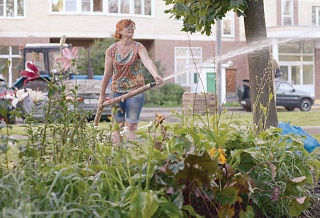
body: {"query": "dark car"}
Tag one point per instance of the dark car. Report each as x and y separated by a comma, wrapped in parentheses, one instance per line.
(286, 96)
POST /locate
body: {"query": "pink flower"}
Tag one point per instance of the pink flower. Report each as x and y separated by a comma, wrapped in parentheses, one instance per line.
(67, 57)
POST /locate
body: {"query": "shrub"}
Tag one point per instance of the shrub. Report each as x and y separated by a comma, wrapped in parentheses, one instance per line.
(169, 94)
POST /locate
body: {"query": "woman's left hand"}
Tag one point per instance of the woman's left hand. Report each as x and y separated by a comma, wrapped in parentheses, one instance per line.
(158, 79)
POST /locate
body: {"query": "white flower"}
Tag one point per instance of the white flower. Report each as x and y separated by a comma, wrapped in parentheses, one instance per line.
(37, 96)
(20, 95)
(123, 131)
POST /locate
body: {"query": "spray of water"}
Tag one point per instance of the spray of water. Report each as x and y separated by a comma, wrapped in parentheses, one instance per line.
(256, 46)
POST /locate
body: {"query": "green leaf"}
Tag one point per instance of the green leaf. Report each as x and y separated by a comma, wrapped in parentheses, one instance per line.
(226, 212)
(195, 137)
(191, 211)
(143, 204)
(246, 162)
(297, 205)
(228, 196)
(178, 201)
(197, 169)
(180, 9)
(181, 131)
(249, 213)
(176, 167)
(202, 12)
(170, 210)
(236, 3)
(292, 189)
(4, 148)
(158, 155)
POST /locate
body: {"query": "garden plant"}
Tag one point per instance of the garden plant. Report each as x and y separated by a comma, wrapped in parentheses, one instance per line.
(196, 168)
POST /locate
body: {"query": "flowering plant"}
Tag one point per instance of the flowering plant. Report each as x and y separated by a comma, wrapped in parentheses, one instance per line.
(68, 57)
(35, 96)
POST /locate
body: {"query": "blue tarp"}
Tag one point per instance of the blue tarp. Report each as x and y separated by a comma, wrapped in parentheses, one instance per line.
(310, 143)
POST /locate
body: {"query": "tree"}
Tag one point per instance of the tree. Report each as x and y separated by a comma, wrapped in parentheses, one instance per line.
(199, 16)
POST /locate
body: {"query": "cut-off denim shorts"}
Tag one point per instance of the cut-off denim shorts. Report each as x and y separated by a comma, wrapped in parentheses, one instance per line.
(129, 110)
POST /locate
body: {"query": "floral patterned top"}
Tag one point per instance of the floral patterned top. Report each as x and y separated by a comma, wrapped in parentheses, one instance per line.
(127, 71)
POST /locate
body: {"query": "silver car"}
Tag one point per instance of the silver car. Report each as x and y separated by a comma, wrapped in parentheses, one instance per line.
(87, 97)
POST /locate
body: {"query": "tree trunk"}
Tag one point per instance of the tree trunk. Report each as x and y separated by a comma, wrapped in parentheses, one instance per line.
(260, 70)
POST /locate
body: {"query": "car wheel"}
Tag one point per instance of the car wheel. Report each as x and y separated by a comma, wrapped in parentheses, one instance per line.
(305, 104)
(290, 108)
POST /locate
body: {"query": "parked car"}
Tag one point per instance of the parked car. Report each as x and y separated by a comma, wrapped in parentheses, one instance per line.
(88, 93)
(286, 96)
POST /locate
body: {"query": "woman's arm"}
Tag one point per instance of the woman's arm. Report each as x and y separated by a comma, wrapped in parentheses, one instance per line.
(106, 78)
(151, 67)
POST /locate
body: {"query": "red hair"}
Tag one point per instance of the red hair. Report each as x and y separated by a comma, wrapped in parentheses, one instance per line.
(121, 25)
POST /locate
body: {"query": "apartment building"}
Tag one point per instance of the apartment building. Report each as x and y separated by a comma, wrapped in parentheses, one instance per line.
(293, 28)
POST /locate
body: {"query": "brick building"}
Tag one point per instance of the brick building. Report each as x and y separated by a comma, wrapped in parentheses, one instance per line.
(293, 28)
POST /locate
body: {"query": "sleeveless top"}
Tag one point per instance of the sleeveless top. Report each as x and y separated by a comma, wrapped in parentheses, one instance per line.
(127, 71)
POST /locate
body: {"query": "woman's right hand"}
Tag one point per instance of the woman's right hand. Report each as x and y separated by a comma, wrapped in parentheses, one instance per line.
(101, 100)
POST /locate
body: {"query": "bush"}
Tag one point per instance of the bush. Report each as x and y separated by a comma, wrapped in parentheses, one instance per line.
(169, 94)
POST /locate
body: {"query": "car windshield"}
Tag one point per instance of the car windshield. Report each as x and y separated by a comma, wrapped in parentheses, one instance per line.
(37, 58)
(284, 87)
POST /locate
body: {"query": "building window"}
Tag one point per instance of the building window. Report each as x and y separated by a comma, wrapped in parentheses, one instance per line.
(142, 7)
(128, 7)
(287, 12)
(185, 60)
(228, 25)
(316, 15)
(119, 6)
(11, 8)
(297, 61)
(83, 6)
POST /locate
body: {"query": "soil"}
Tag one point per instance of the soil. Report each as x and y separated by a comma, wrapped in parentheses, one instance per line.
(315, 209)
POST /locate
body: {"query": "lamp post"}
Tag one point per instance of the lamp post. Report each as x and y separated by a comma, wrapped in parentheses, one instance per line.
(218, 64)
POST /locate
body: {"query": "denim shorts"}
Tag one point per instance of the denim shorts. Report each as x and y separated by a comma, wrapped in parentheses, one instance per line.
(129, 110)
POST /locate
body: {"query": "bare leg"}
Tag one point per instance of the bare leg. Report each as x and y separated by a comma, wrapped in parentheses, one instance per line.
(132, 128)
(116, 138)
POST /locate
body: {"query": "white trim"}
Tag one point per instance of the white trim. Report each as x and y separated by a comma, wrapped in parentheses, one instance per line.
(317, 14)
(15, 10)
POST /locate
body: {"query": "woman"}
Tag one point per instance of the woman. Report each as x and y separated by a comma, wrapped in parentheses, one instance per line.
(123, 64)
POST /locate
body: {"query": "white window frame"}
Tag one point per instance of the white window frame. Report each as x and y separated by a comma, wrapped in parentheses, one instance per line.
(317, 15)
(291, 15)
(15, 12)
(300, 64)
(105, 9)
(188, 56)
(228, 18)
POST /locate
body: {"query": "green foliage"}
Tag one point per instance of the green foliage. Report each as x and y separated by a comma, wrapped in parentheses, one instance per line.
(67, 168)
(169, 94)
(148, 78)
(97, 56)
(199, 16)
